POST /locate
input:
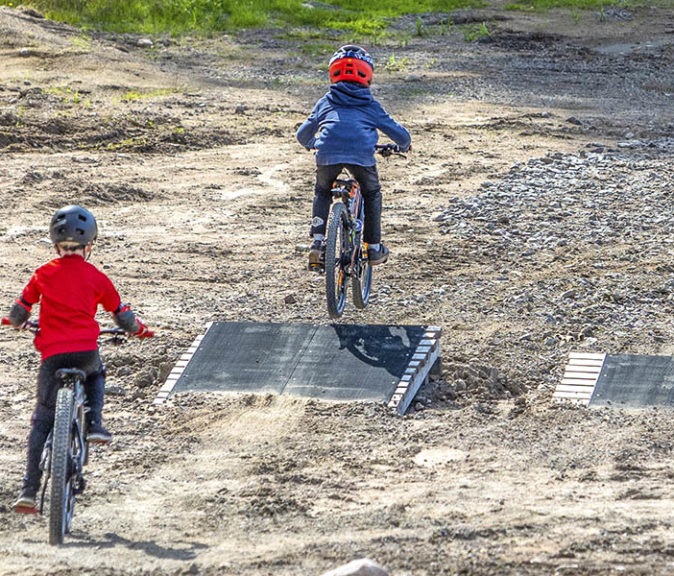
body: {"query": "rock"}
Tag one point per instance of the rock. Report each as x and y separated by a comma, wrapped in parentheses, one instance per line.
(361, 567)
(290, 299)
(146, 377)
(114, 390)
(144, 43)
(32, 13)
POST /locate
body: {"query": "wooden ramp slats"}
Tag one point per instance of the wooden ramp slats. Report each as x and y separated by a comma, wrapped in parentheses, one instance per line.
(577, 383)
(424, 358)
(586, 363)
(577, 396)
(580, 390)
(580, 377)
(587, 356)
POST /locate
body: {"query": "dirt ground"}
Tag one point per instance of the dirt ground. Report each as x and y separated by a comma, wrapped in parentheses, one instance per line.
(185, 152)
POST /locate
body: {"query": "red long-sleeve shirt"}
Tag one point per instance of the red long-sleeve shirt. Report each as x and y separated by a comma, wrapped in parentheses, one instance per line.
(69, 290)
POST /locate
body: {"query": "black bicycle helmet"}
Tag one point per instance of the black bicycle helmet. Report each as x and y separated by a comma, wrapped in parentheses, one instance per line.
(73, 224)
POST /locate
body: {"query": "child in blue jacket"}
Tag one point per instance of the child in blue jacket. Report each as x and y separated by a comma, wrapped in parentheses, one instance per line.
(342, 128)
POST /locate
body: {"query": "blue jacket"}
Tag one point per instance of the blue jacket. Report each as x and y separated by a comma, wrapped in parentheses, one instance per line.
(343, 126)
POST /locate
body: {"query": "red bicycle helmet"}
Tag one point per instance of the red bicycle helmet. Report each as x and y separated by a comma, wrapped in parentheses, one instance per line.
(351, 64)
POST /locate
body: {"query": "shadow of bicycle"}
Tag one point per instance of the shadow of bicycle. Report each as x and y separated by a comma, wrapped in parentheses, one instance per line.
(182, 550)
(388, 347)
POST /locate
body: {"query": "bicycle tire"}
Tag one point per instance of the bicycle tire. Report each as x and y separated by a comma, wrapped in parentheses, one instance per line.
(61, 486)
(336, 245)
(361, 281)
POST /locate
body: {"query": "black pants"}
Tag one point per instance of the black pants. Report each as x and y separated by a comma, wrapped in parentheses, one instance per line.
(368, 179)
(47, 389)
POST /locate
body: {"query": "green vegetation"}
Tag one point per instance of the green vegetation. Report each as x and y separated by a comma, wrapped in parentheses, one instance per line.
(395, 65)
(133, 95)
(358, 18)
(473, 32)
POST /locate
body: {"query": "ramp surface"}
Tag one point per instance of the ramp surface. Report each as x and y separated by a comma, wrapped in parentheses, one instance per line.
(378, 363)
(635, 381)
(618, 380)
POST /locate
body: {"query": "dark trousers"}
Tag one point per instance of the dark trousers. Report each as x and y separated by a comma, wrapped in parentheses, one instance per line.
(368, 179)
(47, 388)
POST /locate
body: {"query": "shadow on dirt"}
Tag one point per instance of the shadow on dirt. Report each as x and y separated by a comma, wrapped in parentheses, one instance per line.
(111, 540)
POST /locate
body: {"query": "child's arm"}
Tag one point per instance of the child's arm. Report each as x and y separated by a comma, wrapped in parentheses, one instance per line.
(122, 314)
(127, 321)
(22, 307)
(395, 131)
(306, 134)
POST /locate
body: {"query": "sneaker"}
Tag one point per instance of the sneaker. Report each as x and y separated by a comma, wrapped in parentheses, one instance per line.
(380, 256)
(96, 433)
(26, 502)
(317, 255)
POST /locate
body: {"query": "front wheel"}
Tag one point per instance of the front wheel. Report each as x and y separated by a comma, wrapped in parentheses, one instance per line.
(62, 499)
(336, 257)
(361, 281)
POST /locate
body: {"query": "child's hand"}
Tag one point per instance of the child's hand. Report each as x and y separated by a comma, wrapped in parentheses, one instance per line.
(143, 331)
(27, 325)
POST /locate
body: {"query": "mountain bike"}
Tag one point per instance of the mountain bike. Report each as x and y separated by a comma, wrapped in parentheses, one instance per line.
(66, 449)
(345, 252)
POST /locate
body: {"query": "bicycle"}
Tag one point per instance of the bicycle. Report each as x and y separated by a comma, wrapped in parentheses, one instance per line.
(65, 451)
(345, 252)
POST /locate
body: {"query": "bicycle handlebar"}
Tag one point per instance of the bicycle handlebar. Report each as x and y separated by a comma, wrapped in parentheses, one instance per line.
(387, 150)
(34, 327)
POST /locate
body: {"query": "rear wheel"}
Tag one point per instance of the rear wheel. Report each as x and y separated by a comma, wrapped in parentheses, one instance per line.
(336, 254)
(62, 499)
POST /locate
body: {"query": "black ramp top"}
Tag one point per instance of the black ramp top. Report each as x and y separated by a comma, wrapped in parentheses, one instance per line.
(351, 362)
(336, 362)
(246, 357)
(635, 381)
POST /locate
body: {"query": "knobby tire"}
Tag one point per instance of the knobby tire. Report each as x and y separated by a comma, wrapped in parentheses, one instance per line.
(335, 247)
(361, 281)
(61, 486)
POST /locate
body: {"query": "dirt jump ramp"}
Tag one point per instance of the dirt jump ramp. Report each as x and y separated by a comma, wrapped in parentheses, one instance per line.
(336, 362)
(617, 380)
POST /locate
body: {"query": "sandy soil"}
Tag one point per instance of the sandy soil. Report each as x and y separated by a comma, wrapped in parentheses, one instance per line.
(185, 151)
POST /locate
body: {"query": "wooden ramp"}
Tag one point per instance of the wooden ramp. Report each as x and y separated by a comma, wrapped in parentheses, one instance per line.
(338, 362)
(617, 380)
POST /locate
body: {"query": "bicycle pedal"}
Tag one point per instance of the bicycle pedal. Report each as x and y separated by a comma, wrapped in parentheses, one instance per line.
(26, 510)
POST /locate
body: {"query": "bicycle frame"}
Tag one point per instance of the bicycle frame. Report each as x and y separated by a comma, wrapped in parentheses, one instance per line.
(348, 190)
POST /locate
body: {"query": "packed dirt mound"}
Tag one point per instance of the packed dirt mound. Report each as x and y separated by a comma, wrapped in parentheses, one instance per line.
(530, 220)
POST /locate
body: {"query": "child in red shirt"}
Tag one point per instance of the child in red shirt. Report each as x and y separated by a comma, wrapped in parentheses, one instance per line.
(69, 290)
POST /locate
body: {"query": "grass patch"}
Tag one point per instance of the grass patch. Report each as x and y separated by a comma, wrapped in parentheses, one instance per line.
(135, 95)
(359, 18)
(475, 32)
(394, 64)
(178, 17)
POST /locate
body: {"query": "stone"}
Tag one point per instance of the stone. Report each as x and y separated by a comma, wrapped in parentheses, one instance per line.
(361, 567)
